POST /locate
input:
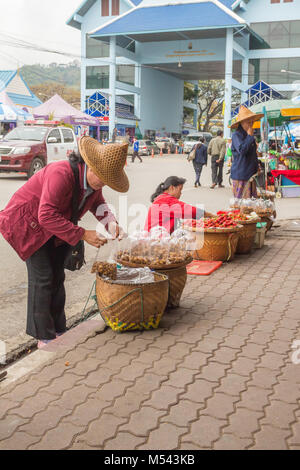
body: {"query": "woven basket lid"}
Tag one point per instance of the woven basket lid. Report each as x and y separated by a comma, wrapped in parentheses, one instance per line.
(106, 161)
(244, 115)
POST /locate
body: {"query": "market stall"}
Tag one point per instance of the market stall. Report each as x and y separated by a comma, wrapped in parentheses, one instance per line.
(59, 110)
(282, 158)
(10, 115)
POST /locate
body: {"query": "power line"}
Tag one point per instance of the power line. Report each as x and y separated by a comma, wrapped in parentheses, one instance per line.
(15, 42)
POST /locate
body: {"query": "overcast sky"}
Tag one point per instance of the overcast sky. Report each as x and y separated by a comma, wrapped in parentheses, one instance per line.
(39, 22)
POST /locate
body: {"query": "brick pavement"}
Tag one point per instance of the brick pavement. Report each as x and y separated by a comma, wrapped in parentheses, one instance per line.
(218, 373)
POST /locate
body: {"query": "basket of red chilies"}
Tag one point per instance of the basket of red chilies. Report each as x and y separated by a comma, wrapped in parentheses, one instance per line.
(216, 238)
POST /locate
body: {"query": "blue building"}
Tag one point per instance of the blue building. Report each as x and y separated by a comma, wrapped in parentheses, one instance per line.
(144, 50)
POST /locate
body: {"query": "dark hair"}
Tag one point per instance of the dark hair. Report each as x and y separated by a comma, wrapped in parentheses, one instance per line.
(171, 181)
(75, 157)
(219, 133)
(201, 139)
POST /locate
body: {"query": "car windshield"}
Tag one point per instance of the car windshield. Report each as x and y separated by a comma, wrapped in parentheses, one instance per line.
(194, 138)
(27, 133)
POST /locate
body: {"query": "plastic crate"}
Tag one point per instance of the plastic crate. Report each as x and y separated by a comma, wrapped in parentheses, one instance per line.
(290, 191)
(260, 236)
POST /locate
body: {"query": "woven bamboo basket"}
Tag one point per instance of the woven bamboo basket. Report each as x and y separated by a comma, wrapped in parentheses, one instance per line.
(247, 236)
(177, 281)
(217, 245)
(126, 307)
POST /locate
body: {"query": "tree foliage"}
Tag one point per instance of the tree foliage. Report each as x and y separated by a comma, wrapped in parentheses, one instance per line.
(211, 94)
(64, 74)
(49, 89)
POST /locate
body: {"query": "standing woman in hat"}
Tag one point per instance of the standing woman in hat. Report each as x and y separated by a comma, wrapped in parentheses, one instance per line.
(37, 224)
(244, 154)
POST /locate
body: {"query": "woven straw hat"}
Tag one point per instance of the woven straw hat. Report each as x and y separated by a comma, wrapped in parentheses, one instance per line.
(244, 115)
(106, 161)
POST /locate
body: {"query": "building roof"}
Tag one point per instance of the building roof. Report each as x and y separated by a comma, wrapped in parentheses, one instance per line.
(86, 5)
(171, 15)
(5, 78)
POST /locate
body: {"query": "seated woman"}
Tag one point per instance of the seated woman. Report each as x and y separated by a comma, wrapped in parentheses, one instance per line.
(167, 209)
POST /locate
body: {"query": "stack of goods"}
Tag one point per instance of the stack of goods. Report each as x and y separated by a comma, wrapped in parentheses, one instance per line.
(222, 221)
(105, 270)
(167, 254)
(263, 208)
(156, 249)
(216, 237)
(266, 194)
(248, 233)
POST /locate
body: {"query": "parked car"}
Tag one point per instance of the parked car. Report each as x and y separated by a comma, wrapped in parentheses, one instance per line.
(166, 143)
(146, 147)
(191, 139)
(28, 149)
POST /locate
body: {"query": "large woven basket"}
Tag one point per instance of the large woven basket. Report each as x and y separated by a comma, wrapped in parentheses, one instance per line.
(217, 245)
(247, 236)
(126, 307)
(177, 281)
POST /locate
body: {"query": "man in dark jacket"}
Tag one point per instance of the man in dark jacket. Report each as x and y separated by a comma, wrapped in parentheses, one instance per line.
(200, 159)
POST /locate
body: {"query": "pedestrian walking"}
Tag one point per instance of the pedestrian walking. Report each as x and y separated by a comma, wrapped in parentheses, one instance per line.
(39, 223)
(200, 159)
(217, 151)
(244, 152)
(136, 148)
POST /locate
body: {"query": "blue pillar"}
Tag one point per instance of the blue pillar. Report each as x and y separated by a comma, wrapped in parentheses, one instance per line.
(228, 81)
(112, 86)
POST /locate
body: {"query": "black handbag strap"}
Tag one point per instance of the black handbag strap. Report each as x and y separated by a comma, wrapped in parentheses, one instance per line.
(75, 197)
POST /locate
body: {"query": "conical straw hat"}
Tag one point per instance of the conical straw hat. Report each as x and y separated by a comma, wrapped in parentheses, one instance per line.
(244, 115)
(106, 161)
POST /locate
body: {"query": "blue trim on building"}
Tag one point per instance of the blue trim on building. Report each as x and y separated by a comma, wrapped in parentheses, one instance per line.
(176, 17)
(23, 100)
(6, 77)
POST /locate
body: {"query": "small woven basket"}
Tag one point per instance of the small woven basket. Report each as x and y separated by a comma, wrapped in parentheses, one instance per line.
(268, 221)
(126, 307)
(177, 281)
(247, 236)
(218, 245)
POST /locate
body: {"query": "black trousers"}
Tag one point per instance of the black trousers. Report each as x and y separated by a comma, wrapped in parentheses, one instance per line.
(198, 170)
(217, 170)
(136, 155)
(46, 291)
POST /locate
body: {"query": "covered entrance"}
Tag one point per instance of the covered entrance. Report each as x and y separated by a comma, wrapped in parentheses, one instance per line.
(176, 42)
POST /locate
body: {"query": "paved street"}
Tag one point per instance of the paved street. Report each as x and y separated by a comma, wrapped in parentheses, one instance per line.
(217, 374)
(144, 178)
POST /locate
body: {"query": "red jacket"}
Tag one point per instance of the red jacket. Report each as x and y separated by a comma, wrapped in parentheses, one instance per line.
(42, 208)
(166, 209)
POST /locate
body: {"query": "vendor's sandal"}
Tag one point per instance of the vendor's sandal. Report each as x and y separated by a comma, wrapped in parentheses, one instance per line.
(3, 376)
(42, 343)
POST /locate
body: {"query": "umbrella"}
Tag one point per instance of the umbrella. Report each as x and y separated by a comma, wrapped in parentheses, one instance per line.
(278, 111)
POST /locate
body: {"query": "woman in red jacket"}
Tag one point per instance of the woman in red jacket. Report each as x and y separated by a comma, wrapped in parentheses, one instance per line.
(37, 223)
(167, 209)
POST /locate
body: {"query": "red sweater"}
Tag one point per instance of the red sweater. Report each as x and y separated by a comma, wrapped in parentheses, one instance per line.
(42, 208)
(166, 209)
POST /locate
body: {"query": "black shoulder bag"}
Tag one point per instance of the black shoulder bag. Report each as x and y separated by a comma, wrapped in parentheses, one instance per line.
(75, 256)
